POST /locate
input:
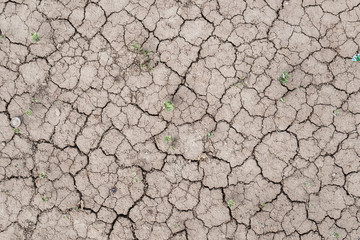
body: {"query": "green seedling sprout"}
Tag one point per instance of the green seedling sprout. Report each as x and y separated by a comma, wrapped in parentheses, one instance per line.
(336, 112)
(2, 36)
(307, 184)
(284, 77)
(335, 234)
(282, 99)
(16, 130)
(76, 208)
(43, 198)
(28, 112)
(145, 55)
(42, 175)
(230, 203)
(16, 165)
(263, 205)
(209, 134)
(35, 37)
(168, 106)
(170, 141)
(136, 179)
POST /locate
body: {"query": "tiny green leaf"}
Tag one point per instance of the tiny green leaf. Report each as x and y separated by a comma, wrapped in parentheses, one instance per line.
(282, 99)
(230, 203)
(43, 198)
(168, 106)
(35, 37)
(16, 130)
(2, 36)
(28, 112)
(167, 139)
(336, 112)
(209, 134)
(42, 175)
(284, 77)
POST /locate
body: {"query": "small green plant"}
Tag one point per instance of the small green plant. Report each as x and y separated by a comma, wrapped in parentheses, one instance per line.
(76, 208)
(282, 99)
(307, 184)
(168, 106)
(43, 198)
(16, 130)
(263, 205)
(145, 60)
(170, 141)
(335, 234)
(175, 226)
(28, 112)
(16, 165)
(284, 77)
(356, 58)
(136, 179)
(230, 203)
(42, 175)
(209, 134)
(35, 37)
(240, 82)
(311, 204)
(34, 100)
(2, 36)
(336, 112)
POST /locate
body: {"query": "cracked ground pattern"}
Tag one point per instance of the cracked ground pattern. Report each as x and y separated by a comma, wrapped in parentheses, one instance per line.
(248, 158)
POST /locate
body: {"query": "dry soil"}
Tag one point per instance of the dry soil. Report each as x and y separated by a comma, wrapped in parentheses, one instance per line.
(248, 157)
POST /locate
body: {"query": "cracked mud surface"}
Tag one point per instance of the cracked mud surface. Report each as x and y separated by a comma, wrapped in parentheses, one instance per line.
(249, 157)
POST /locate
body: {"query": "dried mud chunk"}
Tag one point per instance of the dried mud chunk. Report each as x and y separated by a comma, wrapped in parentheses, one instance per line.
(177, 220)
(295, 220)
(327, 229)
(185, 195)
(168, 28)
(215, 173)
(330, 201)
(352, 184)
(94, 19)
(225, 231)
(178, 54)
(15, 193)
(328, 139)
(196, 229)
(155, 231)
(198, 77)
(196, 31)
(261, 223)
(329, 172)
(211, 209)
(122, 230)
(274, 153)
(245, 173)
(14, 231)
(158, 185)
(302, 183)
(129, 188)
(231, 146)
(347, 156)
(92, 132)
(248, 197)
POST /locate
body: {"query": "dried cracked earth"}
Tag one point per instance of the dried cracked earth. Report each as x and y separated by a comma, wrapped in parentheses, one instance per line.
(248, 156)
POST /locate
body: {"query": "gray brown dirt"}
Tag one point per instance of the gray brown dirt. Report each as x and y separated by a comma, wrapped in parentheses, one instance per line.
(249, 157)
